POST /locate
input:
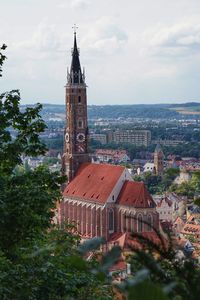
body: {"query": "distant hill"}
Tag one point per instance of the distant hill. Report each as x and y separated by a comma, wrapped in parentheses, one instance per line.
(151, 111)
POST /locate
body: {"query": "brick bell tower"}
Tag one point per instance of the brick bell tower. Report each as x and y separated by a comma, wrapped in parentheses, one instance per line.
(76, 131)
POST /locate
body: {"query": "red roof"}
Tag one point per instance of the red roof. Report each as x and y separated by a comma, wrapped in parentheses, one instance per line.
(135, 193)
(120, 265)
(94, 182)
(125, 240)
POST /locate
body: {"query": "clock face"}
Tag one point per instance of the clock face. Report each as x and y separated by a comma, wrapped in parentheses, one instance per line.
(80, 137)
(67, 137)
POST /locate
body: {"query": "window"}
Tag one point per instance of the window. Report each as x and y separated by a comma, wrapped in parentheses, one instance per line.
(140, 223)
(79, 99)
(111, 220)
(149, 223)
(80, 124)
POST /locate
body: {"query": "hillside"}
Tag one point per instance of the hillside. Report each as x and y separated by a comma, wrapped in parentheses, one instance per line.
(149, 111)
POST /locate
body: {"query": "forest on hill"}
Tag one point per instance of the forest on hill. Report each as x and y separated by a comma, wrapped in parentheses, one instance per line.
(149, 111)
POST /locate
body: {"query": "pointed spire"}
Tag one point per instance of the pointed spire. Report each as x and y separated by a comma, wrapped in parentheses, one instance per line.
(75, 75)
(158, 148)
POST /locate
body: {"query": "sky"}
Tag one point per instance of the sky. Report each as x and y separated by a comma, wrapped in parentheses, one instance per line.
(133, 51)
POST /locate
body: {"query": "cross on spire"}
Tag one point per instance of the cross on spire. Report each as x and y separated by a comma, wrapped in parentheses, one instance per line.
(74, 28)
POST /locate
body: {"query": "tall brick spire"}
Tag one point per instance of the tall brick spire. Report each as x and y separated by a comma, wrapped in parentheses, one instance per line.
(76, 132)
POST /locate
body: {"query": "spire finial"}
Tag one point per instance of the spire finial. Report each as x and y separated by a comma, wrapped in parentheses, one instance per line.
(74, 28)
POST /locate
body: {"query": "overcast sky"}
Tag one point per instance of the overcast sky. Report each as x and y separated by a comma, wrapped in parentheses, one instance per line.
(133, 51)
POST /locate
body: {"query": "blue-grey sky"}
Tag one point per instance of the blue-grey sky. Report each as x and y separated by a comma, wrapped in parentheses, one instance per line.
(134, 51)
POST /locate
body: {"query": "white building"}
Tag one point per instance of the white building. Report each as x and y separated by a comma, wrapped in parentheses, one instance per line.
(170, 206)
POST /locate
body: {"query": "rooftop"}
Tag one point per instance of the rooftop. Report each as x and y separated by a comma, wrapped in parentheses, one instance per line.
(94, 182)
(136, 194)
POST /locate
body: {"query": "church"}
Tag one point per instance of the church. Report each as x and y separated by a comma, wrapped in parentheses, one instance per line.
(100, 199)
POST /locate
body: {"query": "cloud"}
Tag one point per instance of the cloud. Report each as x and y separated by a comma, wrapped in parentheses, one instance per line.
(75, 4)
(181, 39)
(80, 4)
(45, 42)
(104, 37)
(40, 55)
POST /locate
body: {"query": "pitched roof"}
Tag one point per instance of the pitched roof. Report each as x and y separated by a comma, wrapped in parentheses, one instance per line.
(94, 182)
(126, 240)
(135, 194)
(120, 265)
(163, 201)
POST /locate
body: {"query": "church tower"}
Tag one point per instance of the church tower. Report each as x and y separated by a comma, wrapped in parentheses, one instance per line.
(76, 131)
(158, 160)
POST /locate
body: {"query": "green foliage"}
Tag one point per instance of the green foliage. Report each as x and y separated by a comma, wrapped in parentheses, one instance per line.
(26, 207)
(157, 184)
(152, 182)
(54, 143)
(52, 269)
(140, 287)
(27, 125)
(178, 277)
(189, 189)
(50, 160)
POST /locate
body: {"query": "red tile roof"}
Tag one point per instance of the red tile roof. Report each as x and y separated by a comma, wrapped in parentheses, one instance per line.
(135, 194)
(94, 182)
(120, 265)
(125, 240)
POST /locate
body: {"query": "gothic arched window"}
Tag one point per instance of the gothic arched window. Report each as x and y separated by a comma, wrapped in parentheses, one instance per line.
(111, 220)
(149, 223)
(139, 223)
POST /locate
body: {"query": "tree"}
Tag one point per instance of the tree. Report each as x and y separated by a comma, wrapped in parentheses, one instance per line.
(189, 189)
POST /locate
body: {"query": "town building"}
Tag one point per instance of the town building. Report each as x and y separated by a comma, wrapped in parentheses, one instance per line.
(169, 206)
(100, 137)
(100, 199)
(103, 199)
(191, 229)
(135, 137)
(112, 156)
(168, 143)
(149, 167)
